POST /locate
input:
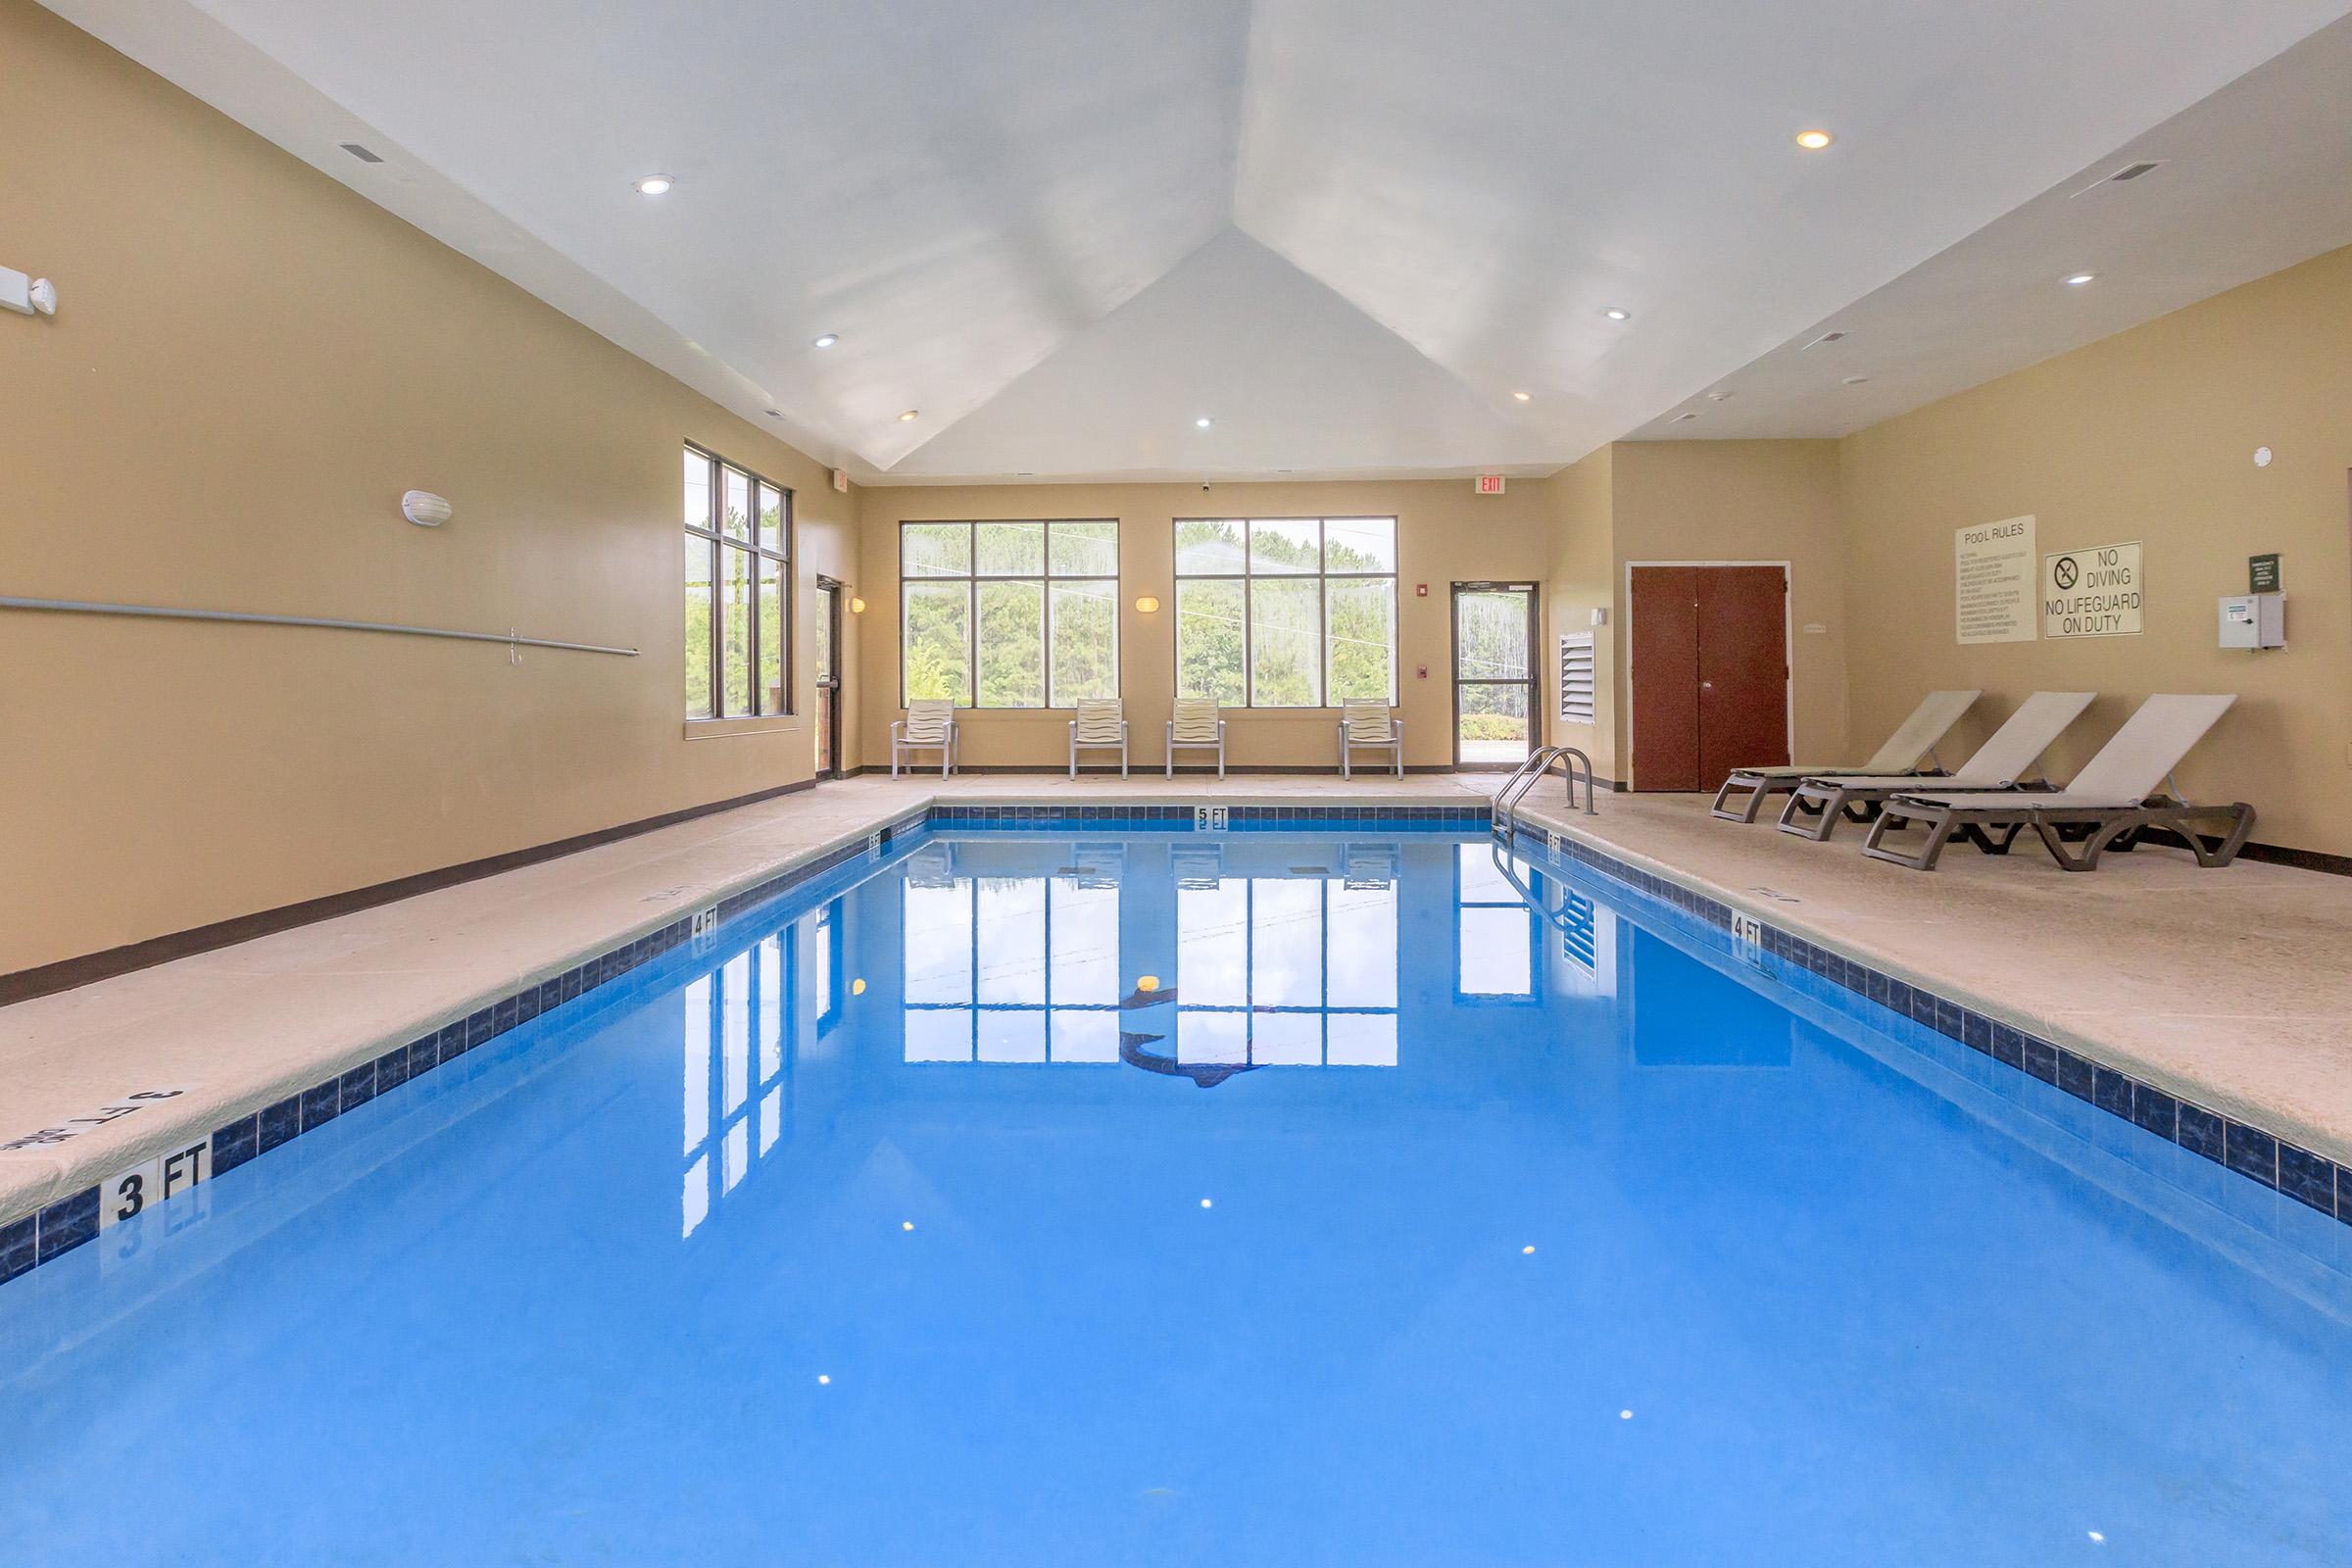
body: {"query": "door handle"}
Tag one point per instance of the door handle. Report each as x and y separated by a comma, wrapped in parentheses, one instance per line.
(1706, 685)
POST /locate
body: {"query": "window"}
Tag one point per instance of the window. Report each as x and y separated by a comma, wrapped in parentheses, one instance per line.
(1288, 971)
(1286, 612)
(735, 1028)
(738, 602)
(1493, 929)
(1008, 615)
(1011, 968)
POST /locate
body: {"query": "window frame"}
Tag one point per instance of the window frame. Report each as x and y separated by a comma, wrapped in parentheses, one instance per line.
(713, 535)
(1250, 1008)
(967, 884)
(1044, 577)
(1539, 916)
(1322, 577)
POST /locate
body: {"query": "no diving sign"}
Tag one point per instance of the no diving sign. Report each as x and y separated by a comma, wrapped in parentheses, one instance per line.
(2091, 593)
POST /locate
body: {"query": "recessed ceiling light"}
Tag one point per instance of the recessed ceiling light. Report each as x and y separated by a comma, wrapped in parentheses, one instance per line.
(1682, 418)
(825, 341)
(1717, 397)
(908, 416)
(655, 185)
(1201, 424)
(1523, 396)
(1617, 313)
(1814, 141)
(1856, 380)
(2080, 278)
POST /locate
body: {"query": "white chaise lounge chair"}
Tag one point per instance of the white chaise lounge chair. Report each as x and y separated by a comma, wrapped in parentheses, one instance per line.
(2115, 797)
(1199, 724)
(1903, 751)
(2000, 763)
(1102, 723)
(929, 725)
(1365, 723)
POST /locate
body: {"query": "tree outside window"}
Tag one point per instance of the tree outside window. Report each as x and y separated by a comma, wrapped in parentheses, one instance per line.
(738, 574)
(1009, 614)
(1286, 612)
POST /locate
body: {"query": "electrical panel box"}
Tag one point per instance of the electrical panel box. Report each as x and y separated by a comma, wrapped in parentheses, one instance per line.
(2254, 620)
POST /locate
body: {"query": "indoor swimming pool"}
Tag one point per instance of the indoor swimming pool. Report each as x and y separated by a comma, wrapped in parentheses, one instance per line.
(1183, 1197)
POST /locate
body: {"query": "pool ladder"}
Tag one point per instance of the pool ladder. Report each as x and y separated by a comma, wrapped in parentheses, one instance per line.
(1528, 774)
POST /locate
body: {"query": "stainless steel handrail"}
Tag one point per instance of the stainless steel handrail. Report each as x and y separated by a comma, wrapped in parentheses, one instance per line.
(1526, 776)
(1556, 918)
(79, 607)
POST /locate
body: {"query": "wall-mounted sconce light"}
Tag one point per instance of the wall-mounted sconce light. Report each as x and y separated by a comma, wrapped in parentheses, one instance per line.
(856, 606)
(1147, 603)
(424, 509)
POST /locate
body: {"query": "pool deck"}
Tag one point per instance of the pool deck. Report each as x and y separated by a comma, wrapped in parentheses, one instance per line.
(2230, 988)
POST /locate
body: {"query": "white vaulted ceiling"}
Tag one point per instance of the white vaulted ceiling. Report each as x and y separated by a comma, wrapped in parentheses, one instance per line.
(1346, 234)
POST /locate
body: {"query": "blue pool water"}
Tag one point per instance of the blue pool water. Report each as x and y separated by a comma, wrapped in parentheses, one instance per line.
(740, 1260)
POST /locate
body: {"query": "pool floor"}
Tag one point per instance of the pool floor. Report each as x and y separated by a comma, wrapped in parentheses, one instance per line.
(1189, 1199)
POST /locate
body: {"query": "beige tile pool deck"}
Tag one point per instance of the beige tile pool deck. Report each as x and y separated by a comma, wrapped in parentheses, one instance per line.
(2231, 987)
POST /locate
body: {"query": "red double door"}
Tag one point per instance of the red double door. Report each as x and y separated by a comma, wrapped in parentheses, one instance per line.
(1709, 673)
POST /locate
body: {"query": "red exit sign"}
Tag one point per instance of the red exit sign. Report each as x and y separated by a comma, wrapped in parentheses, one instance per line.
(1490, 484)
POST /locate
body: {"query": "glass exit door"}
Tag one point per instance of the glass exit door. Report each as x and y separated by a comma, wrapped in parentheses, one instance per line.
(828, 678)
(1493, 673)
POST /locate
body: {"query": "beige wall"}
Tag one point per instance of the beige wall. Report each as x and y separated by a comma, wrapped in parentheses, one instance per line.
(1583, 577)
(1746, 501)
(2147, 435)
(250, 366)
(1445, 533)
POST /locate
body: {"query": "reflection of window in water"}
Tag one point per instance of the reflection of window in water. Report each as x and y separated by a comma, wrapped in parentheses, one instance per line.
(733, 1042)
(1013, 969)
(1288, 971)
(1493, 929)
(824, 965)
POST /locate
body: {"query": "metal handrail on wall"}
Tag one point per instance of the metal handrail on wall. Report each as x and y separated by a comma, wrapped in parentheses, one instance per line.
(77, 607)
(1525, 776)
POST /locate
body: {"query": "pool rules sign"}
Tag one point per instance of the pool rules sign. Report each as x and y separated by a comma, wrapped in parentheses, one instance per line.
(1992, 582)
(2091, 593)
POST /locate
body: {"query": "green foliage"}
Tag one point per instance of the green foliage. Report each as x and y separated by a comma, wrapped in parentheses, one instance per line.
(1025, 627)
(1493, 726)
(1315, 640)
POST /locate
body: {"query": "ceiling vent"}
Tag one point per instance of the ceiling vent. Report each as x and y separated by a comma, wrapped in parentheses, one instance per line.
(2123, 175)
(1826, 337)
(361, 153)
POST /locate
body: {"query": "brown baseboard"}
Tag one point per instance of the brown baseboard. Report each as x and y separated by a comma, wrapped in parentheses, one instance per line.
(2270, 854)
(68, 973)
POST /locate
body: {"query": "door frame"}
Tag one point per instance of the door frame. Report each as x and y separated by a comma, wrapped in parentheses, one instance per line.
(1534, 664)
(1788, 647)
(833, 589)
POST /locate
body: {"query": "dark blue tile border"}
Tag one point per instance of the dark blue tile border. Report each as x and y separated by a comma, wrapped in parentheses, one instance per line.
(2308, 1178)
(1107, 817)
(67, 1224)
(2298, 1172)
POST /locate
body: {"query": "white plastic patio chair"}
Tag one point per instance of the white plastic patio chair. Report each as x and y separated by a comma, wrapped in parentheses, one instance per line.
(1102, 722)
(1200, 723)
(929, 725)
(1365, 723)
